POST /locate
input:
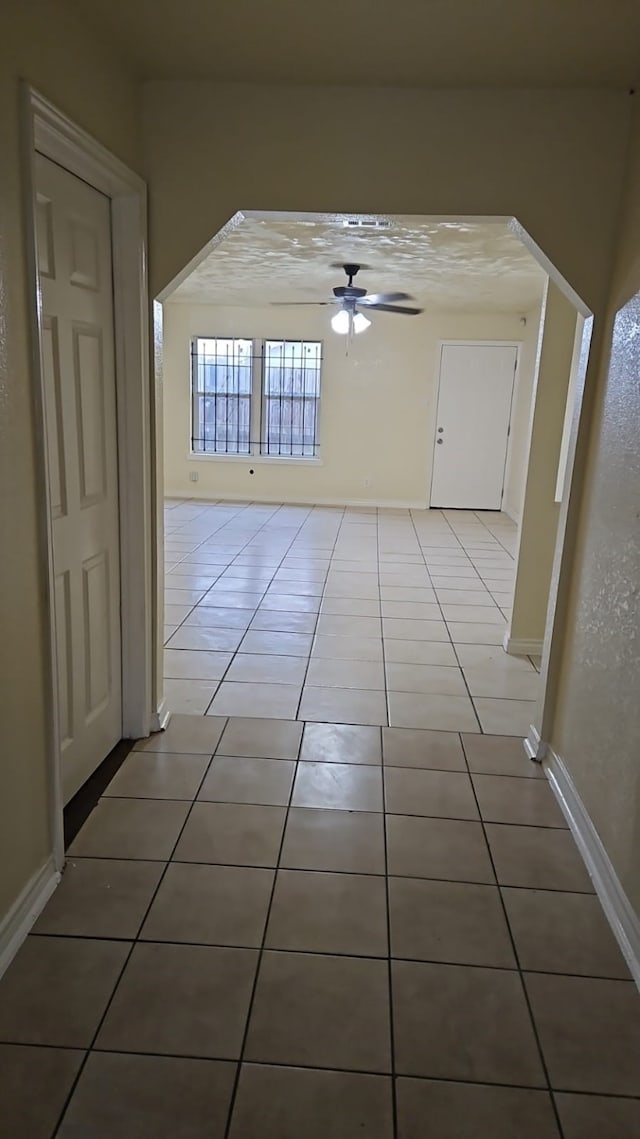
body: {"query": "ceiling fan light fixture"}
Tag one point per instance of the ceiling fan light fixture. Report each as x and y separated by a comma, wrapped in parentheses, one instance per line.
(340, 322)
(360, 322)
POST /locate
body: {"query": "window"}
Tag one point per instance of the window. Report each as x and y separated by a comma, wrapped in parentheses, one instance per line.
(255, 397)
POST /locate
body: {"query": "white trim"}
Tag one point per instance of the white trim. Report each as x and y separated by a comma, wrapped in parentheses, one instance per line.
(299, 500)
(160, 718)
(25, 911)
(535, 747)
(256, 460)
(520, 647)
(48, 132)
(624, 922)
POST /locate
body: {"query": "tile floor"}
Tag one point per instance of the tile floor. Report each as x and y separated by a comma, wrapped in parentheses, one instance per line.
(380, 617)
(276, 929)
(341, 902)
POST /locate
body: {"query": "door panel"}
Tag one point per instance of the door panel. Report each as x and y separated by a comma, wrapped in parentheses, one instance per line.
(75, 275)
(474, 410)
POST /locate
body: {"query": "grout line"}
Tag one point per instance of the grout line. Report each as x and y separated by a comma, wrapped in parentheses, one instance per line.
(261, 948)
(453, 964)
(519, 967)
(127, 959)
(315, 625)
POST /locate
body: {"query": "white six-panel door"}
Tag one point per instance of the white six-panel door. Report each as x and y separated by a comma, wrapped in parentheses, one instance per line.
(75, 276)
(472, 425)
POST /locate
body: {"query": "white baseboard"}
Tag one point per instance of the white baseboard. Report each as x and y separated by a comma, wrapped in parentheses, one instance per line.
(297, 500)
(160, 718)
(25, 911)
(535, 747)
(521, 648)
(621, 916)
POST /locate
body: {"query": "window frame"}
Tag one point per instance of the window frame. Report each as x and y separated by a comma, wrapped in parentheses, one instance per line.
(255, 454)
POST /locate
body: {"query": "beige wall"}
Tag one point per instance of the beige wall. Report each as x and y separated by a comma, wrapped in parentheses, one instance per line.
(597, 722)
(77, 73)
(554, 159)
(540, 511)
(521, 416)
(377, 412)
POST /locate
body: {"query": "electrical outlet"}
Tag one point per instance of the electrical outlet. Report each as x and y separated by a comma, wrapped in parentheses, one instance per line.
(193, 476)
(366, 481)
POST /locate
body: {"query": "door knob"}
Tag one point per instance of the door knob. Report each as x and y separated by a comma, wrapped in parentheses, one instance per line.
(440, 430)
(439, 440)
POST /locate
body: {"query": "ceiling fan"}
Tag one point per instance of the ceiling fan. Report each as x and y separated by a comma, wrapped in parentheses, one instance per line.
(352, 300)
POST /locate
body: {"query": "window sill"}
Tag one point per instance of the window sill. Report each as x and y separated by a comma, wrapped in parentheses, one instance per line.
(258, 460)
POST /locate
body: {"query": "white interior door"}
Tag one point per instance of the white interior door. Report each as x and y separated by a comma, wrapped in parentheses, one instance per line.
(472, 429)
(75, 276)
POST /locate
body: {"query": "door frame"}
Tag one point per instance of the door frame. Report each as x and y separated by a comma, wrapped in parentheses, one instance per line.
(46, 131)
(475, 343)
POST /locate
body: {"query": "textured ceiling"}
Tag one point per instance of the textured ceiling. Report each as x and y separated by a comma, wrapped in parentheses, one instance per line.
(443, 264)
(427, 43)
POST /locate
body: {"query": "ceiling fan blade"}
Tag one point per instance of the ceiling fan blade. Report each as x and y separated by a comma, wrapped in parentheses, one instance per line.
(384, 298)
(289, 303)
(395, 308)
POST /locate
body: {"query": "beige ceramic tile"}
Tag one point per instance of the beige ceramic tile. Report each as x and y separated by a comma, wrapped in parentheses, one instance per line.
(181, 1000)
(398, 651)
(235, 834)
(339, 786)
(593, 1117)
(343, 705)
(270, 739)
(329, 913)
(284, 644)
(321, 1011)
(283, 621)
(101, 897)
(441, 713)
(500, 755)
(189, 697)
(448, 849)
(444, 794)
(341, 743)
(237, 779)
(347, 648)
(131, 828)
(287, 1103)
(194, 665)
(448, 921)
(211, 639)
(34, 1085)
(236, 698)
(432, 1109)
(346, 841)
(136, 1096)
(557, 932)
(408, 629)
(428, 678)
(484, 1008)
(416, 747)
(337, 626)
(538, 857)
(505, 717)
(57, 988)
(506, 684)
(210, 905)
(158, 775)
(505, 799)
(270, 669)
(589, 1031)
(477, 633)
(185, 734)
(346, 674)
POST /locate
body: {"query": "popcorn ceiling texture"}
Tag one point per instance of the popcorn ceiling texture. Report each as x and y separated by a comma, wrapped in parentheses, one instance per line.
(443, 264)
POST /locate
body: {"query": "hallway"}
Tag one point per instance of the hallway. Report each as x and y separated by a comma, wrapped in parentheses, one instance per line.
(333, 898)
(270, 935)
